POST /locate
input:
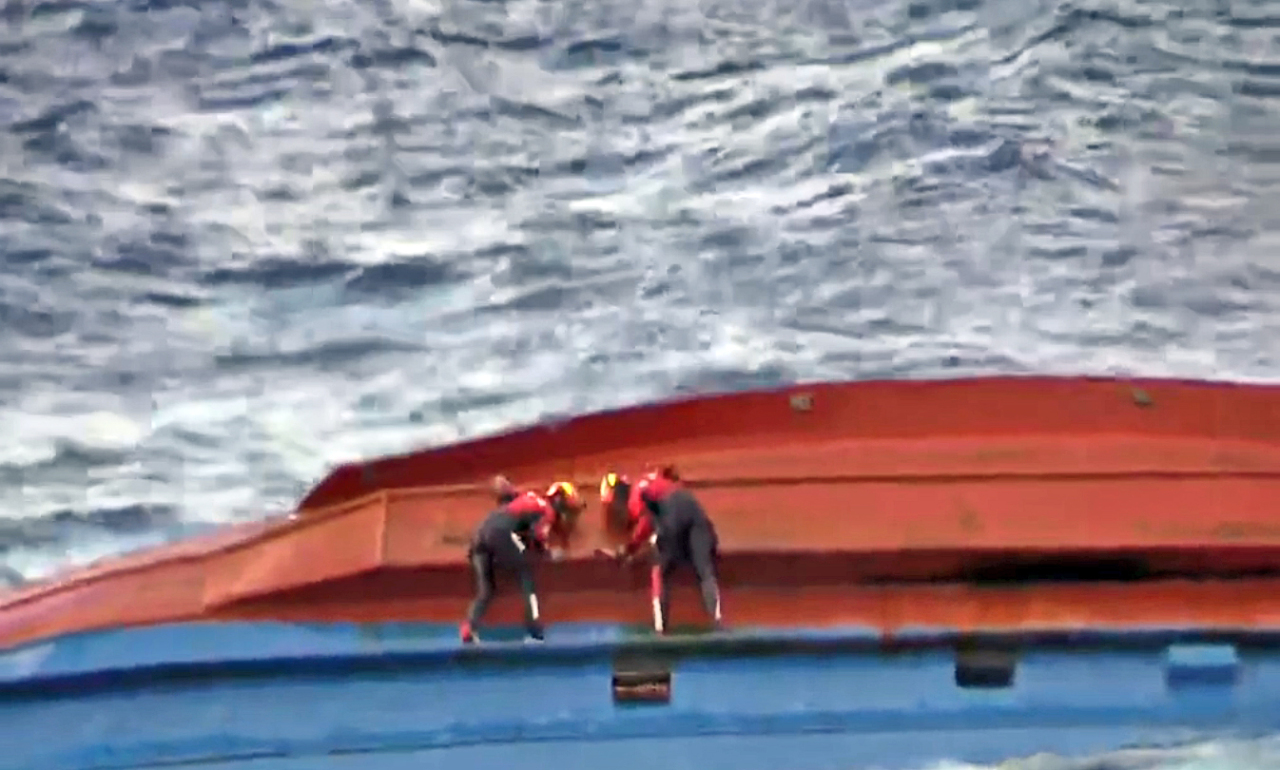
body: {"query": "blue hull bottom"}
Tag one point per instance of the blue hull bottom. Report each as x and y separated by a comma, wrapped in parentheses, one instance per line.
(279, 697)
(854, 751)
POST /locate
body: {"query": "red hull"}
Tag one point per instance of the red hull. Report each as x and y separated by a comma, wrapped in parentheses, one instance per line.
(828, 499)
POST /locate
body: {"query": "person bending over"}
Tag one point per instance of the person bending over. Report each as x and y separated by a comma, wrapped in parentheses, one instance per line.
(522, 526)
(661, 512)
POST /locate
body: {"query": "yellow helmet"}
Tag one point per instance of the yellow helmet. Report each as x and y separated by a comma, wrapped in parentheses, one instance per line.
(611, 485)
(567, 493)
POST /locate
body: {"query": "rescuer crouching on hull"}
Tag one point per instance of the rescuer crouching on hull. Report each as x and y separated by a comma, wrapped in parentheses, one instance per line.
(661, 512)
(522, 525)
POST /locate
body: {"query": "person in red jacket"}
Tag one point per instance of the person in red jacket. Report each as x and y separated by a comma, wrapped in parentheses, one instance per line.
(661, 512)
(523, 523)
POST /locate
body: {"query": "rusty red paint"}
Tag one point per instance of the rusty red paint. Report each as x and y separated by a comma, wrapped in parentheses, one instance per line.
(822, 494)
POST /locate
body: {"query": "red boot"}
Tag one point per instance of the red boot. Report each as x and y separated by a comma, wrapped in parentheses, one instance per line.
(468, 635)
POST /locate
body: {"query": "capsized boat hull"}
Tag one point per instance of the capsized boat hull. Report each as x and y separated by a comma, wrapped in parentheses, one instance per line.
(835, 488)
(916, 573)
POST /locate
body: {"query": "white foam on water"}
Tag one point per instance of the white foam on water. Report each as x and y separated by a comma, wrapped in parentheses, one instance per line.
(1254, 753)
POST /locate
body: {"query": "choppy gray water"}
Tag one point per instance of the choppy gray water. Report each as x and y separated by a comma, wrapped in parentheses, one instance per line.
(243, 240)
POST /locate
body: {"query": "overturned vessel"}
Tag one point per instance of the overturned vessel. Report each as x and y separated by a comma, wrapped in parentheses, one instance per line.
(1009, 565)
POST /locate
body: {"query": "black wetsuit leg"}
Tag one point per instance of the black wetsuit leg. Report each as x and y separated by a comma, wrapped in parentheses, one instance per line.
(482, 569)
(522, 566)
(669, 554)
(704, 546)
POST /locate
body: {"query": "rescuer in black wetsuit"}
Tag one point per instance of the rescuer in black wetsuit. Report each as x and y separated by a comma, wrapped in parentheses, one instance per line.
(663, 512)
(521, 524)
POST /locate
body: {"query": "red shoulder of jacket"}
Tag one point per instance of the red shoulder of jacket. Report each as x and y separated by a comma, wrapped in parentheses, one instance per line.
(654, 486)
(529, 502)
(649, 489)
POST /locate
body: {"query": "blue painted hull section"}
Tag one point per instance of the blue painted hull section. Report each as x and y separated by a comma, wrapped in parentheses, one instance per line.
(401, 696)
